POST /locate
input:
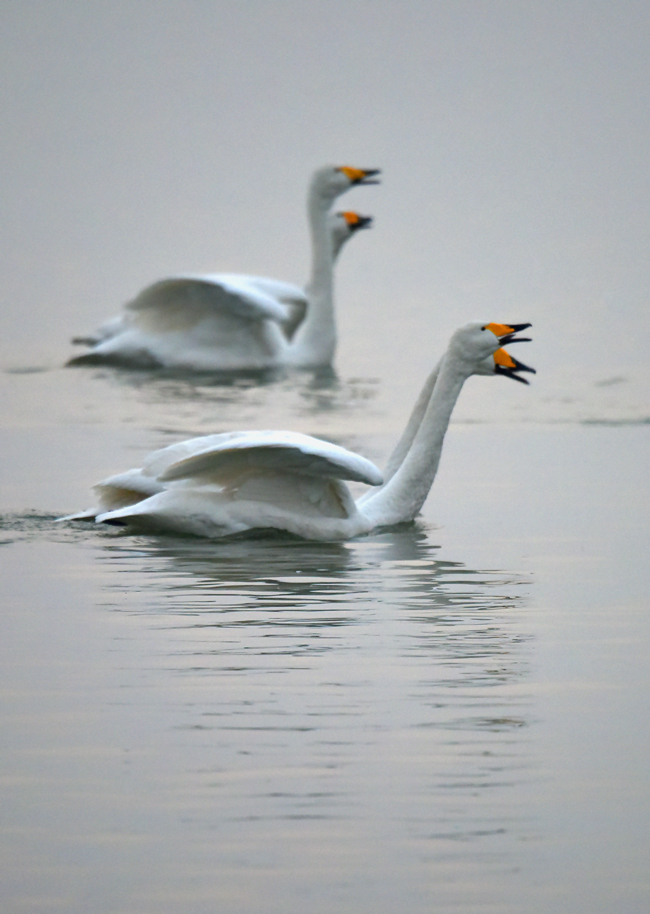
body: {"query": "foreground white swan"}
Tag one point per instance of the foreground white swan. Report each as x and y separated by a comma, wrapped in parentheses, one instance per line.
(220, 485)
(228, 322)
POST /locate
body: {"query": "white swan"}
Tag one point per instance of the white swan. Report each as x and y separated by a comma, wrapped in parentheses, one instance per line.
(228, 322)
(291, 300)
(219, 485)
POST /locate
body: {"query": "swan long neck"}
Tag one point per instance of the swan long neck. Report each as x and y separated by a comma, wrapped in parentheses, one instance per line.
(403, 446)
(315, 340)
(401, 498)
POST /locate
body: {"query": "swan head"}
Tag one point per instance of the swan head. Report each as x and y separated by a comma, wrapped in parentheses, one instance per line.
(331, 181)
(479, 347)
(344, 225)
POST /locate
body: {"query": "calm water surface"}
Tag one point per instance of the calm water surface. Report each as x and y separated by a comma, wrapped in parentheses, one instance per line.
(451, 716)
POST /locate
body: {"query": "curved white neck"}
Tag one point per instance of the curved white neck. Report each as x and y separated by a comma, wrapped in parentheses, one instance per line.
(402, 496)
(315, 340)
(403, 446)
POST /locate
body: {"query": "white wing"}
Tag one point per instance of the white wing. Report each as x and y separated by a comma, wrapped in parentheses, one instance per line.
(220, 457)
(126, 488)
(207, 323)
(237, 481)
(292, 296)
(108, 329)
(157, 462)
(285, 292)
(120, 491)
(183, 301)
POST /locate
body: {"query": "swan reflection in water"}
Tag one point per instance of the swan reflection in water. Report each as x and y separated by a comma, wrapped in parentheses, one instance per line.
(392, 577)
(329, 659)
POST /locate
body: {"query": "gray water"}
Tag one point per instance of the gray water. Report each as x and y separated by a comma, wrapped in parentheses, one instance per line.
(449, 717)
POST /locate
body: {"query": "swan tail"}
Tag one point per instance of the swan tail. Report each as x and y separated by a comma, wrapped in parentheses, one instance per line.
(89, 515)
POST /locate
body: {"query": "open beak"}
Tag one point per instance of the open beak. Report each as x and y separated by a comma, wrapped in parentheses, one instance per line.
(506, 365)
(361, 175)
(369, 176)
(355, 221)
(506, 333)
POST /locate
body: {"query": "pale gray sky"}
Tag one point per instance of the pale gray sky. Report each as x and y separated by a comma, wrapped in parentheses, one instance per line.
(143, 137)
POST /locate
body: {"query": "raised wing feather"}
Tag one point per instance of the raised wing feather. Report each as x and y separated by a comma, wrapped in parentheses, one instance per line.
(157, 462)
(290, 452)
(282, 291)
(182, 301)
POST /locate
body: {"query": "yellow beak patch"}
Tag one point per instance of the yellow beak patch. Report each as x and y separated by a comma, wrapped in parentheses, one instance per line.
(354, 174)
(501, 357)
(499, 329)
(350, 217)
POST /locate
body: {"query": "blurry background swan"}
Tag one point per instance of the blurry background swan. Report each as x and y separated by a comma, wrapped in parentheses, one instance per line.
(227, 321)
(512, 136)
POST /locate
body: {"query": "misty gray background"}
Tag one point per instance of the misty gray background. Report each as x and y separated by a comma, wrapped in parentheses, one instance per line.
(143, 138)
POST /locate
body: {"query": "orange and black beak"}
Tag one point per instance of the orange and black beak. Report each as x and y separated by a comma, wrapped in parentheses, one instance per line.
(504, 363)
(361, 175)
(506, 332)
(355, 221)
